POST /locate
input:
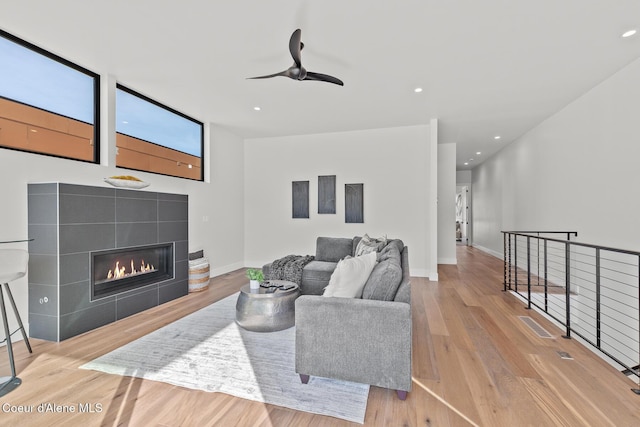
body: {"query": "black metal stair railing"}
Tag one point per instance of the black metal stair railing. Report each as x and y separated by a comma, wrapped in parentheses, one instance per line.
(593, 291)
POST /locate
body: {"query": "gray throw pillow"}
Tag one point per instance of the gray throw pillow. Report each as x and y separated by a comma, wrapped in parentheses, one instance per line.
(368, 245)
(394, 242)
(386, 276)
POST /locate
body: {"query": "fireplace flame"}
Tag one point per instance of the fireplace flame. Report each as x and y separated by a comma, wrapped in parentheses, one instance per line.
(119, 272)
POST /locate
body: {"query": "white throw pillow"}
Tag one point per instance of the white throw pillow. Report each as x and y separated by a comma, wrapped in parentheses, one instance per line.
(350, 275)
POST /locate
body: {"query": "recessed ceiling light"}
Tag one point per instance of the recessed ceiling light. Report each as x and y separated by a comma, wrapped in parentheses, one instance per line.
(496, 137)
(629, 33)
(418, 90)
(125, 122)
(471, 160)
(466, 163)
(478, 153)
(257, 108)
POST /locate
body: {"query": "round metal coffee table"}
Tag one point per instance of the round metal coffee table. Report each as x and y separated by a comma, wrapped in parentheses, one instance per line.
(267, 309)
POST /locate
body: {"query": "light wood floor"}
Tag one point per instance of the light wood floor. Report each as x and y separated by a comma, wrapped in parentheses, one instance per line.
(474, 363)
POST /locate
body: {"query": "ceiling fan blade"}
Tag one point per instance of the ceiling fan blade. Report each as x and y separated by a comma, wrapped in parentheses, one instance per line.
(284, 73)
(295, 47)
(297, 71)
(323, 78)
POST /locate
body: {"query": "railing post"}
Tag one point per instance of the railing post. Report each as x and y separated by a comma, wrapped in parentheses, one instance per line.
(538, 261)
(637, 390)
(546, 282)
(504, 259)
(598, 297)
(528, 272)
(567, 281)
(509, 261)
(515, 262)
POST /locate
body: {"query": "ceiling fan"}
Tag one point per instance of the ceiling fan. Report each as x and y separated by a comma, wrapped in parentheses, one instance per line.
(297, 71)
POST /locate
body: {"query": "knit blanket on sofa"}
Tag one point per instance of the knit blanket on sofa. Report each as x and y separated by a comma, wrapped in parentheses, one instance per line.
(289, 268)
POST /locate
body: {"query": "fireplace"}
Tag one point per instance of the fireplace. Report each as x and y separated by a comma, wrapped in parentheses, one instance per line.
(120, 270)
(69, 293)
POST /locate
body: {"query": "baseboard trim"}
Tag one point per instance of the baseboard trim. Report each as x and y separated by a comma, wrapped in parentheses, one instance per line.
(489, 251)
(453, 261)
(219, 271)
(413, 272)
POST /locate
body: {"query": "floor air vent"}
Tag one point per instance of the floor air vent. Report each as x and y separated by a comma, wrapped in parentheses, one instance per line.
(535, 327)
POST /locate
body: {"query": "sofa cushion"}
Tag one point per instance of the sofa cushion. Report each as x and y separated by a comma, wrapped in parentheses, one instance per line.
(316, 276)
(395, 242)
(350, 275)
(386, 276)
(392, 250)
(404, 292)
(333, 249)
(354, 245)
(368, 244)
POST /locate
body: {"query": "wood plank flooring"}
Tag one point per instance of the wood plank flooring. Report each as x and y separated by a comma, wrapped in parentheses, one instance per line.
(474, 364)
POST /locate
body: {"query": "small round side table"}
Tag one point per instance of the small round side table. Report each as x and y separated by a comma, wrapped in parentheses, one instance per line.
(267, 309)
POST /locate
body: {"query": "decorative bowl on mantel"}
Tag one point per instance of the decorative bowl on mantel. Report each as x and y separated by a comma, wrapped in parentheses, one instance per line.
(126, 181)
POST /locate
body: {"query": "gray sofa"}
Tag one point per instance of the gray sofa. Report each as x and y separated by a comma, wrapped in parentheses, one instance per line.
(365, 340)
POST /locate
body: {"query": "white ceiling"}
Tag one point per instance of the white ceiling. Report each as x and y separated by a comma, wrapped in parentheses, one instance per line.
(491, 67)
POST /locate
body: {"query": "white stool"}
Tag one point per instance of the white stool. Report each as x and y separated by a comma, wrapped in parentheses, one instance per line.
(13, 265)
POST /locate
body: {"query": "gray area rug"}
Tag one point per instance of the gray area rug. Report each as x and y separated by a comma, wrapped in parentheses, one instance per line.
(208, 351)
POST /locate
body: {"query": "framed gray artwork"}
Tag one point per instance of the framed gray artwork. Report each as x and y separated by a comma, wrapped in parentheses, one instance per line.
(327, 194)
(300, 199)
(354, 203)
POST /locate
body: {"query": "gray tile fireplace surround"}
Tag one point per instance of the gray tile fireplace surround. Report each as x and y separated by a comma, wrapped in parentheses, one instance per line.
(67, 222)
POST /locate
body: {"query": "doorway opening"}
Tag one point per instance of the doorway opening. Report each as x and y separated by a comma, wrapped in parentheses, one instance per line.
(463, 203)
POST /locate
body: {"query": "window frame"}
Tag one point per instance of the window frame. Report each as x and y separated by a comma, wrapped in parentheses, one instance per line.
(132, 92)
(96, 98)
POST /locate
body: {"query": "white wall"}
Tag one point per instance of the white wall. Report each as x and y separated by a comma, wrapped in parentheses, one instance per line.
(393, 164)
(447, 204)
(433, 201)
(463, 177)
(221, 200)
(578, 170)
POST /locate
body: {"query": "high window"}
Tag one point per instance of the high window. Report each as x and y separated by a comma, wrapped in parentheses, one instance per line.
(154, 138)
(48, 105)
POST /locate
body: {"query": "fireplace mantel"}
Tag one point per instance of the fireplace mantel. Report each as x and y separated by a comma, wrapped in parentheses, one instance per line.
(68, 222)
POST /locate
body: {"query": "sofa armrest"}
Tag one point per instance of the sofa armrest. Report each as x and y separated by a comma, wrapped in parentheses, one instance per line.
(365, 341)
